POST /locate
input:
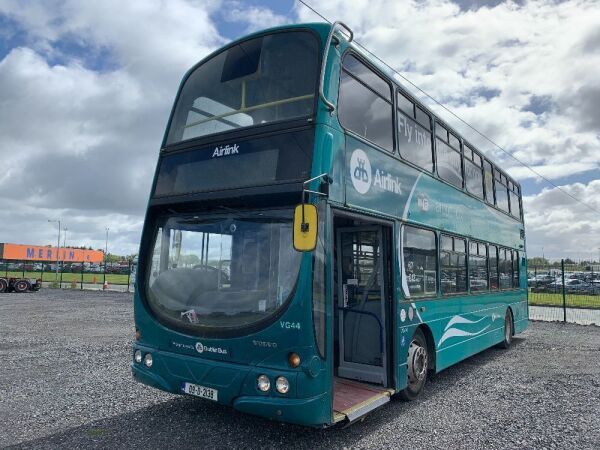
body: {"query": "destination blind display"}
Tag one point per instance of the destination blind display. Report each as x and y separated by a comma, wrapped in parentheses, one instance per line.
(259, 162)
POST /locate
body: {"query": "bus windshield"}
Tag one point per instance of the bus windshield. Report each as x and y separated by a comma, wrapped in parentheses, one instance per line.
(261, 80)
(222, 272)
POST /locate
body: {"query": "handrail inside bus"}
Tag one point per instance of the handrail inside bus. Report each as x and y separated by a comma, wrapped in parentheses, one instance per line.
(283, 101)
(334, 27)
(368, 313)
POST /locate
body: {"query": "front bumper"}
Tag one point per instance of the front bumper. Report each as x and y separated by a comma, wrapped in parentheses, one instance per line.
(236, 385)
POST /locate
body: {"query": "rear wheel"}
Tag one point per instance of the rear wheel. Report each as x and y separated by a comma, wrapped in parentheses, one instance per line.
(3, 285)
(417, 367)
(508, 330)
(21, 286)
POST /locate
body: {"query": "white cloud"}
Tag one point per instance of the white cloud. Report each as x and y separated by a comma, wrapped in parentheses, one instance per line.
(562, 227)
(254, 17)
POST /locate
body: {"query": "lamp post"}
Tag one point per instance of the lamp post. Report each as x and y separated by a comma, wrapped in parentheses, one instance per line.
(106, 253)
(543, 257)
(57, 244)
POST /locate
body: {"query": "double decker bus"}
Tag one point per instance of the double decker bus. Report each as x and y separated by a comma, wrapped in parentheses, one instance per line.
(317, 240)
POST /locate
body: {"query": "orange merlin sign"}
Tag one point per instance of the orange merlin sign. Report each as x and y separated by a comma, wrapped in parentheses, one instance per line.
(38, 253)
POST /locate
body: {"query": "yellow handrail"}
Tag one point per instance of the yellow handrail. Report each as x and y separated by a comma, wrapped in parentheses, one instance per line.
(251, 108)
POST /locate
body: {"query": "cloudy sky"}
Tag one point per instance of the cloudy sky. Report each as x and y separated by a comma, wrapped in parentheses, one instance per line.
(86, 88)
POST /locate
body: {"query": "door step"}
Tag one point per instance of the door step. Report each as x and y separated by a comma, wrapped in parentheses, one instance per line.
(352, 399)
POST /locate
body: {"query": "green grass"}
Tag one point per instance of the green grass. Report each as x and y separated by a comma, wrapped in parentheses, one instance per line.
(111, 278)
(572, 300)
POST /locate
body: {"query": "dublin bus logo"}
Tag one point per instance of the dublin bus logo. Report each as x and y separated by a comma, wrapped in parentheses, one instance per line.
(360, 171)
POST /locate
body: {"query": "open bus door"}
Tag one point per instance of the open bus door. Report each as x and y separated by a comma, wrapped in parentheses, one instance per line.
(363, 322)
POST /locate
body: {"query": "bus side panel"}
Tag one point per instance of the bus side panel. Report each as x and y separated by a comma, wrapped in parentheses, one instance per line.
(462, 326)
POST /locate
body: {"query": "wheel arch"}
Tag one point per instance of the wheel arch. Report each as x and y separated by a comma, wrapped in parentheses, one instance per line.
(512, 318)
(430, 345)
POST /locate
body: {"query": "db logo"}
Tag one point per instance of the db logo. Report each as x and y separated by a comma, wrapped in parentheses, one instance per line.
(360, 171)
(199, 347)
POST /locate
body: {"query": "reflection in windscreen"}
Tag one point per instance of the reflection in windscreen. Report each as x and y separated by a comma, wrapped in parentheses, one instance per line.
(227, 272)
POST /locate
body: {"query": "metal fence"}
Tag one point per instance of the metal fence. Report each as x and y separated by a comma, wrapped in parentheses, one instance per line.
(564, 292)
(67, 275)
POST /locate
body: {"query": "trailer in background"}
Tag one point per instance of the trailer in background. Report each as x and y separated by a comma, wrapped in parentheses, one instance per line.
(19, 285)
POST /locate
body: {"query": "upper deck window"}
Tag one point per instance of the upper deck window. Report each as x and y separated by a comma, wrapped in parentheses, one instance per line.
(257, 81)
(449, 159)
(501, 191)
(515, 206)
(364, 103)
(406, 105)
(473, 172)
(414, 134)
(489, 182)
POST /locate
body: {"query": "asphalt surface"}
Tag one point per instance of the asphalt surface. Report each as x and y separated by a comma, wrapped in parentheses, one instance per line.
(65, 383)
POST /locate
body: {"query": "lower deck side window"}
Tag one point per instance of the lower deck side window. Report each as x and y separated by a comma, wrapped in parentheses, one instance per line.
(419, 256)
(515, 267)
(478, 267)
(453, 262)
(505, 268)
(493, 259)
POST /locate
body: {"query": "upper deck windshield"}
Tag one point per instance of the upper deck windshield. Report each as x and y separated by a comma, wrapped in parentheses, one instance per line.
(222, 273)
(260, 80)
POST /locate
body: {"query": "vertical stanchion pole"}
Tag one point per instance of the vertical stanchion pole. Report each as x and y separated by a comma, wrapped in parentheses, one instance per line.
(564, 296)
(42, 274)
(62, 269)
(81, 283)
(23, 269)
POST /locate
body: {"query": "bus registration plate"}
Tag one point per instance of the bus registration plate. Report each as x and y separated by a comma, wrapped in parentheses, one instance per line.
(200, 391)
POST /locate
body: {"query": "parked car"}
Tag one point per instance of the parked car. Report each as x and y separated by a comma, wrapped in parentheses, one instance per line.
(572, 286)
(540, 283)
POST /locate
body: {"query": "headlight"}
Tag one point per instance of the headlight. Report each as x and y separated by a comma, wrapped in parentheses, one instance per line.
(282, 385)
(137, 356)
(263, 383)
(148, 360)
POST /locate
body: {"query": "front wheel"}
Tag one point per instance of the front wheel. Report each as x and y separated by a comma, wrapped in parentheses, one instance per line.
(508, 330)
(3, 285)
(417, 367)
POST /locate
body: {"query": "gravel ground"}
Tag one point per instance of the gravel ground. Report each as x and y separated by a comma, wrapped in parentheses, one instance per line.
(65, 383)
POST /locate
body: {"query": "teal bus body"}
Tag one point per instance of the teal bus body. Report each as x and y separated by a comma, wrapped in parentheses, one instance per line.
(455, 326)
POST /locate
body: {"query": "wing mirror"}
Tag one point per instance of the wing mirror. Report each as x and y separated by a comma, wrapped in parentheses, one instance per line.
(305, 227)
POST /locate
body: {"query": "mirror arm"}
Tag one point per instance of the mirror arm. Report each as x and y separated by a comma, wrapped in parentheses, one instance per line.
(325, 178)
(313, 192)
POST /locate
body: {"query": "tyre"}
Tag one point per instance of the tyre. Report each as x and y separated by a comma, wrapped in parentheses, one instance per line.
(508, 330)
(21, 286)
(417, 367)
(3, 285)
